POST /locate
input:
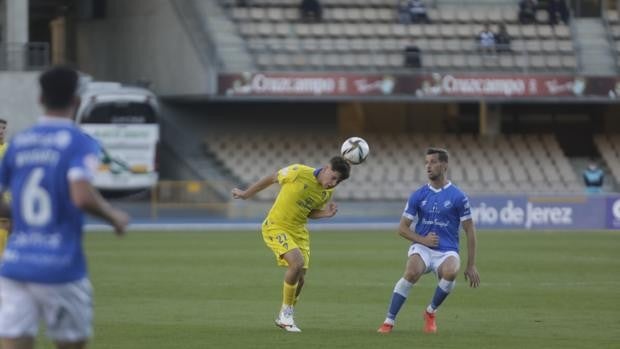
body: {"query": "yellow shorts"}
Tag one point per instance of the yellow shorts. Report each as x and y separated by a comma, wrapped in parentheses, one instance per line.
(281, 240)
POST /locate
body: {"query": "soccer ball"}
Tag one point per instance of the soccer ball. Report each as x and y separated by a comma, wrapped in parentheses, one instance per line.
(355, 149)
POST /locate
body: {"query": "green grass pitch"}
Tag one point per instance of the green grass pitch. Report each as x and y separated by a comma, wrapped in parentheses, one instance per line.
(222, 290)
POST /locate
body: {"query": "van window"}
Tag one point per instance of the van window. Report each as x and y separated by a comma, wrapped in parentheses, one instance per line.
(119, 113)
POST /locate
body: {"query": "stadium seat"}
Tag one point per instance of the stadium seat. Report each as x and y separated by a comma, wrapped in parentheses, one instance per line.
(450, 38)
(562, 31)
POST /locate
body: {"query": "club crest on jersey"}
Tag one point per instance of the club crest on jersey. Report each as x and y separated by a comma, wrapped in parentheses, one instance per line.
(423, 203)
(447, 204)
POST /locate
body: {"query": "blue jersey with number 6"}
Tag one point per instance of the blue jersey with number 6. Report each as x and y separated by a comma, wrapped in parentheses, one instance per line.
(46, 241)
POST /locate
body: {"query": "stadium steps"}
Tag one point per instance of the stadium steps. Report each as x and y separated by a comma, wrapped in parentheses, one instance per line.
(214, 170)
(228, 43)
(200, 39)
(595, 51)
(186, 152)
(173, 165)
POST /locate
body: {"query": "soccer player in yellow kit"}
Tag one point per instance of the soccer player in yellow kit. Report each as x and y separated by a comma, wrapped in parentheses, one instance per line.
(305, 193)
(4, 223)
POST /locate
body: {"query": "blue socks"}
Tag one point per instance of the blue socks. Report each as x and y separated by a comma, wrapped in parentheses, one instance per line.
(441, 292)
(401, 291)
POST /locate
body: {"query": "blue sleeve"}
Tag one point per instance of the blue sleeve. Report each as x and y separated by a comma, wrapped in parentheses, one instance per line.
(411, 208)
(463, 208)
(85, 159)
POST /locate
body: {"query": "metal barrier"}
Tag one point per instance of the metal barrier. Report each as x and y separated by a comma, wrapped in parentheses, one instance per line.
(188, 196)
(189, 202)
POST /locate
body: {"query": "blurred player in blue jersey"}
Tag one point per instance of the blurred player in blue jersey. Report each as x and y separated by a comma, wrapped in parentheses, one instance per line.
(439, 208)
(48, 169)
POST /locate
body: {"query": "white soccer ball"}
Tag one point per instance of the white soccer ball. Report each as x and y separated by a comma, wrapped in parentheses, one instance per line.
(355, 149)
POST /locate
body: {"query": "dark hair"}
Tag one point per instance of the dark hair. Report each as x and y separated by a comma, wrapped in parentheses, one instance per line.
(2, 121)
(442, 153)
(342, 166)
(58, 87)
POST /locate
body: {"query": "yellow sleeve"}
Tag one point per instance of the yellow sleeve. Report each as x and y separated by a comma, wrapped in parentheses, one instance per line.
(7, 194)
(4, 234)
(327, 198)
(288, 174)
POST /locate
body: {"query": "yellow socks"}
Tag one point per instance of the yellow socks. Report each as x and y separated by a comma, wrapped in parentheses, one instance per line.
(288, 294)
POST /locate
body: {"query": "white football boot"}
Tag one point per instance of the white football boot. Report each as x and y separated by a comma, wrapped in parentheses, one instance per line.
(285, 320)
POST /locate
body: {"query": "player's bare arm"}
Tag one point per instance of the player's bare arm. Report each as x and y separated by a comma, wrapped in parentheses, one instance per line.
(5, 213)
(261, 184)
(327, 212)
(404, 230)
(471, 273)
(87, 198)
(5, 209)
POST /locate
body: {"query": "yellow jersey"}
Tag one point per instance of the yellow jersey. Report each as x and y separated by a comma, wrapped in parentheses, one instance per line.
(4, 236)
(3, 147)
(300, 193)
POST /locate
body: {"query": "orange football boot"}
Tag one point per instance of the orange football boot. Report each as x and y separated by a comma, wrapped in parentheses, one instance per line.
(385, 328)
(429, 322)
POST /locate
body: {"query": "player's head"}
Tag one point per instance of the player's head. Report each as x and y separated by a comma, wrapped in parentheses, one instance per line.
(2, 130)
(335, 172)
(436, 163)
(59, 86)
(592, 165)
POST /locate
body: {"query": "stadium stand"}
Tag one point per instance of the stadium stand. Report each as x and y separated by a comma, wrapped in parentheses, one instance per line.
(514, 164)
(357, 35)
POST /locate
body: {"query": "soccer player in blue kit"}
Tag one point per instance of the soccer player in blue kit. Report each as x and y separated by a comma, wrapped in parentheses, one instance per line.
(43, 276)
(439, 207)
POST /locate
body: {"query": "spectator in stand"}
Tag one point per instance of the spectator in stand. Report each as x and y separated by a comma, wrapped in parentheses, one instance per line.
(527, 11)
(311, 10)
(413, 56)
(402, 12)
(417, 11)
(593, 178)
(502, 39)
(486, 40)
(555, 8)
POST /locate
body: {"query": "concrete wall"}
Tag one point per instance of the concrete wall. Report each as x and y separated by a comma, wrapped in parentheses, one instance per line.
(141, 40)
(19, 95)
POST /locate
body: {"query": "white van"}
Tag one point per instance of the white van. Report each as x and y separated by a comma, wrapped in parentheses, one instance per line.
(124, 119)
